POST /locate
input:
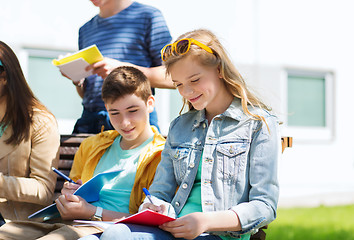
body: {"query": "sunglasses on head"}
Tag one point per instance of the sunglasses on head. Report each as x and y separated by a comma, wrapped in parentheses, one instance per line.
(182, 47)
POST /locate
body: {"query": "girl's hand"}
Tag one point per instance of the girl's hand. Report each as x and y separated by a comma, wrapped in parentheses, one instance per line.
(74, 207)
(160, 209)
(189, 226)
(70, 188)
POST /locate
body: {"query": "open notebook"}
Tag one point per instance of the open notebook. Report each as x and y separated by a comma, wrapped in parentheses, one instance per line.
(88, 191)
(145, 217)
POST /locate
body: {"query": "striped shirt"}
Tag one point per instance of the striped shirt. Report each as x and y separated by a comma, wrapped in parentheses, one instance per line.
(135, 35)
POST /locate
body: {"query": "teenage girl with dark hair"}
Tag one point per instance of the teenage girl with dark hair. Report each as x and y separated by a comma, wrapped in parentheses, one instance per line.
(29, 143)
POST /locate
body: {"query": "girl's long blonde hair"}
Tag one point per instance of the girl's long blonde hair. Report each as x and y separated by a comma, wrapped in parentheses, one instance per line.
(230, 76)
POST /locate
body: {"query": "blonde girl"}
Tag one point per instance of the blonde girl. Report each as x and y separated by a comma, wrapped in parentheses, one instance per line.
(218, 172)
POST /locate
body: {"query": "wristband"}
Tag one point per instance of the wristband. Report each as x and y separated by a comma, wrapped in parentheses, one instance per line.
(98, 214)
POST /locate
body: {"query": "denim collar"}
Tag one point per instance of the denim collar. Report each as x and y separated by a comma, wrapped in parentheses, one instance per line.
(234, 111)
(200, 118)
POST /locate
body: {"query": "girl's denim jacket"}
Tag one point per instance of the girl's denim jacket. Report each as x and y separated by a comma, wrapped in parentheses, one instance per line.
(239, 165)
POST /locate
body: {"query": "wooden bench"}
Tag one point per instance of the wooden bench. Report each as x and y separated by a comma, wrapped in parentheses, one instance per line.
(286, 142)
(69, 144)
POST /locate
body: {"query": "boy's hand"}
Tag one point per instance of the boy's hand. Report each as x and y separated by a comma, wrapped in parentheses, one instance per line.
(70, 188)
(104, 67)
(160, 209)
(78, 83)
(74, 207)
(64, 75)
(189, 226)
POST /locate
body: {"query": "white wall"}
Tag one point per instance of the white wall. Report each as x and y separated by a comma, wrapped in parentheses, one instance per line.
(262, 38)
(314, 35)
(45, 24)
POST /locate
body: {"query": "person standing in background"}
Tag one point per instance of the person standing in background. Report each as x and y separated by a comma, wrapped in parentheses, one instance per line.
(29, 144)
(126, 33)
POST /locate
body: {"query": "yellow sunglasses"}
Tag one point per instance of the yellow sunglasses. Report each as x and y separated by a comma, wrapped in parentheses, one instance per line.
(182, 47)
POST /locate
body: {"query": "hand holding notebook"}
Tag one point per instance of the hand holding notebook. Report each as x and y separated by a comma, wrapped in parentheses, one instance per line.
(74, 65)
(88, 191)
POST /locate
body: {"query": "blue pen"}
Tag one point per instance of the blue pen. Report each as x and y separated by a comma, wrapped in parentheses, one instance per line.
(148, 195)
(63, 175)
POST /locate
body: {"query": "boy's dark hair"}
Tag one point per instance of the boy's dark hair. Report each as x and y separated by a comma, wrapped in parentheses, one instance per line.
(125, 80)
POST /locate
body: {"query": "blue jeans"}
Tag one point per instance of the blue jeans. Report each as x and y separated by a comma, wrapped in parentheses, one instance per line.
(153, 119)
(2, 220)
(139, 232)
(91, 122)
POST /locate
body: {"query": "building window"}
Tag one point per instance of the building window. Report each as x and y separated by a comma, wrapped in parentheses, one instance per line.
(309, 104)
(56, 92)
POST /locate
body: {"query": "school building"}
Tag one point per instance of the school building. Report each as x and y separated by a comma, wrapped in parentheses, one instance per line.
(297, 55)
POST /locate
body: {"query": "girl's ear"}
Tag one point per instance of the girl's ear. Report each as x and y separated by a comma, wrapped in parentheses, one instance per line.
(3, 77)
(219, 73)
(3, 80)
(150, 103)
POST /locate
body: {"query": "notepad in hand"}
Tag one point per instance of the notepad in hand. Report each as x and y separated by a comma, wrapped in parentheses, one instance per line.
(74, 65)
(146, 217)
(89, 191)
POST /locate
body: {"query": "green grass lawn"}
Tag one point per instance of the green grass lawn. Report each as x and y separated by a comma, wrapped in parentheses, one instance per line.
(320, 223)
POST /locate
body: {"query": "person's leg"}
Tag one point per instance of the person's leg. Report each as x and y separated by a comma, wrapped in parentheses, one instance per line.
(153, 119)
(2, 220)
(91, 122)
(140, 232)
(103, 119)
(208, 237)
(26, 230)
(133, 231)
(69, 232)
(85, 123)
(91, 237)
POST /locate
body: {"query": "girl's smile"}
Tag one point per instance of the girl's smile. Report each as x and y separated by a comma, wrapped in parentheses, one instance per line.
(195, 99)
